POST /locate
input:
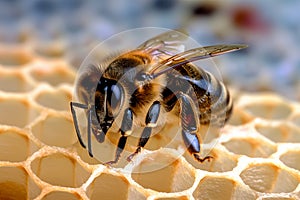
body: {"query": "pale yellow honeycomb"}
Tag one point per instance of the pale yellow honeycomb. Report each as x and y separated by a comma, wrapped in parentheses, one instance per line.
(257, 155)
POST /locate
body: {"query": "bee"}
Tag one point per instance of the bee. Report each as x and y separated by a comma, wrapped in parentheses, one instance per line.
(147, 86)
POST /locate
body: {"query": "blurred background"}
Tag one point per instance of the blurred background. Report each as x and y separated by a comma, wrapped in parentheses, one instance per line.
(71, 28)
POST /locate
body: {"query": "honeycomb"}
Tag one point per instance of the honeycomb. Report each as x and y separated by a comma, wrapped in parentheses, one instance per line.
(257, 155)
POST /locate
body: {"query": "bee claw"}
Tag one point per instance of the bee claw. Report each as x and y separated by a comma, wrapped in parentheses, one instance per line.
(110, 163)
(199, 159)
(130, 157)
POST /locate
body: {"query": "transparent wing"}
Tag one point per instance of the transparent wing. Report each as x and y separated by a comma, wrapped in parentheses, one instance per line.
(193, 55)
(165, 44)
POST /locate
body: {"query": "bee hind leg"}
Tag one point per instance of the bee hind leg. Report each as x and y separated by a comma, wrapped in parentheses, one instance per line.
(125, 130)
(189, 128)
(151, 120)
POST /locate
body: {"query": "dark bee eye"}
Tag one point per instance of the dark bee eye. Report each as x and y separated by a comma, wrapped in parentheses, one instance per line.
(116, 98)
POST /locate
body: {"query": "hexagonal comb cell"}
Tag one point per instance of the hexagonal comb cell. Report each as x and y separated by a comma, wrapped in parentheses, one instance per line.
(54, 195)
(15, 183)
(15, 146)
(220, 188)
(55, 130)
(269, 109)
(239, 117)
(279, 133)
(107, 186)
(53, 73)
(251, 147)
(16, 112)
(59, 169)
(14, 82)
(220, 162)
(135, 193)
(14, 57)
(269, 178)
(54, 99)
(161, 172)
(291, 159)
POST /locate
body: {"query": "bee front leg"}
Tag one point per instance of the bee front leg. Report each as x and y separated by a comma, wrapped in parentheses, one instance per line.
(89, 121)
(151, 119)
(125, 130)
(189, 128)
(82, 106)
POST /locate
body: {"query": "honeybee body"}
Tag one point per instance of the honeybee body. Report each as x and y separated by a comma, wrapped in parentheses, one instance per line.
(147, 87)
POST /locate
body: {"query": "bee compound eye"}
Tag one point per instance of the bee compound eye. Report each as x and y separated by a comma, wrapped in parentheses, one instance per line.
(116, 98)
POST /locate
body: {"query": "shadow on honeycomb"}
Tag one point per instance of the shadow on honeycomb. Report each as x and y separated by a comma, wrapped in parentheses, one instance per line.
(257, 155)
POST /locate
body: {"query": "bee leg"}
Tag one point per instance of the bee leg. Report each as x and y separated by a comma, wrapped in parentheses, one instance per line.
(126, 129)
(82, 106)
(189, 128)
(151, 119)
(89, 133)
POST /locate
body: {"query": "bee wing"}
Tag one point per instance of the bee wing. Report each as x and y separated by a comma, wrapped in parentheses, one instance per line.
(168, 43)
(193, 55)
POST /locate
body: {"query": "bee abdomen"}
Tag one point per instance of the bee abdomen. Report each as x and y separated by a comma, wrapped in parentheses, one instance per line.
(216, 104)
(210, 95)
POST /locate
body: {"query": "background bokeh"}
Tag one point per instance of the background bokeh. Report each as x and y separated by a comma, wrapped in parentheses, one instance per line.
(71, 28)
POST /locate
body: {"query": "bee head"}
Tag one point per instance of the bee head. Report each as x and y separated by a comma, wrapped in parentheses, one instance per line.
(104, 95)
(109, 98)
